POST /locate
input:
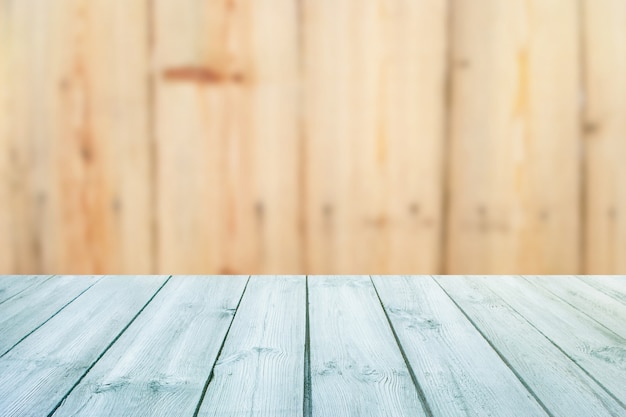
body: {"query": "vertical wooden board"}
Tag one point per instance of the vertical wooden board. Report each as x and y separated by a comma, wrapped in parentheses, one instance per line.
(472, 380)
(260, 371)
(28, 126)
(28, 310)
(599, 351)
(159, 366)
(560, 384)
(227, 136)
(373, 125)
(49, 362)
(589, 300)
(11, 285)
(79, 136)
(514, 138)
(612, 285)
(7, 258)
(604, 31)
(357, 368)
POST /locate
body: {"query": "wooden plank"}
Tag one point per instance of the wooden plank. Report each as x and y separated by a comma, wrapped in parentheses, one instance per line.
(260, 371)
(47, 364)
(79, 136)
(597, 305)
(514, 138)
(160, 365)
(561, 385)
(6, 164)
(227, 136)
(357, 368)
(603, 32)
(472, 380)
(592, 346)
(28, 310)
(373, 122)
(615, 286)
(11, 285)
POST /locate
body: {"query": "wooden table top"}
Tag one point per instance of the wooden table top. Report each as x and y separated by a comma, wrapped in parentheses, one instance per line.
(313, 346)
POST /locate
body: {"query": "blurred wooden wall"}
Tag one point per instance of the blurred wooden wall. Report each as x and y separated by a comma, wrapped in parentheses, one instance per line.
(313, 136)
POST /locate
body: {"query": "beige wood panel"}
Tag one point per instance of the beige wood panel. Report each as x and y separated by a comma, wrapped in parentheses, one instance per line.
(227, 136)
(79, 186)
(6, 171)
(373, 122)
(514, 156)
(604, 34)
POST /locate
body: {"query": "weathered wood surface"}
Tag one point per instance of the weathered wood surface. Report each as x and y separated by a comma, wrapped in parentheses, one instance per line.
(11, 285)
(601, 352)
(48, 363)
(431, 329)
(322, 345)
(560, 384)
(261, 368)
(29, 309)
(160, 365)
(357, 368)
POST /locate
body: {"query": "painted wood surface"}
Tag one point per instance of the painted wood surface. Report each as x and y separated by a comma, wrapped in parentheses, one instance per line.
(79, 196)
(615, 286)
(604, 130)
(357, 368)
(373, 81)
(430, 328)
(598, 350)
(561, 385)
(321, 345)
(12, 285)
(160, 365)
(49, 362)
(226, 129)
(28, 310)
(602, 308)
(260, 371)
(514, 179)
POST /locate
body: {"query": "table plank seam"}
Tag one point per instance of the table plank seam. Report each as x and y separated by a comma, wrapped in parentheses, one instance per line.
(420, 391)
(115, 339)
(49, 318)
(219, 352)
(307, 404)
(500, 355)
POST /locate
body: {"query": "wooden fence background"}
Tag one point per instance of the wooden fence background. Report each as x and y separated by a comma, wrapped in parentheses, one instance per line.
(313, 136)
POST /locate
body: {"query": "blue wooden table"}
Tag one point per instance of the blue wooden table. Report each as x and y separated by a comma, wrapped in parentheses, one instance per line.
(313, 346)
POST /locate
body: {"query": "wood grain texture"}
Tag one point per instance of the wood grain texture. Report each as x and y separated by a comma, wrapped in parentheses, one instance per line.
(615, 286)
(602, 308)
(159, 366)
(357, 368)
(227, 136)
(260, 371)
(599, 351)
(80, 195)
(27, 310)
(373, 78)
(11, 285)
(472, 380)
(561, 385)
(7, 256)
(47, 364)
(604, 129)
(514, 138)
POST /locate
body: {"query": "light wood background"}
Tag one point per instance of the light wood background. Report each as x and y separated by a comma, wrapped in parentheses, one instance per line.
(313, 136)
